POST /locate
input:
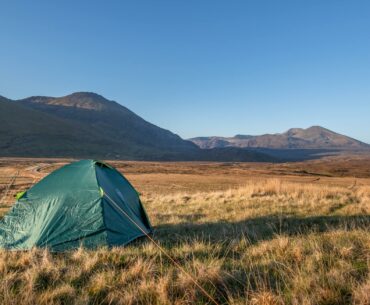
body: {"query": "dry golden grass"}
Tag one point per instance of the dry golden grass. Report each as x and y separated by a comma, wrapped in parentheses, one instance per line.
(260, 240)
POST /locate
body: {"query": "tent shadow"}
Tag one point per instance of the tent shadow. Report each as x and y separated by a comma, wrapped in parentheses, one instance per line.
(257, 229)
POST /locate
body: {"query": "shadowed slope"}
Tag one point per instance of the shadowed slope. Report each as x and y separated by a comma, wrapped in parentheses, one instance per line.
(110, 120)
(86, 125)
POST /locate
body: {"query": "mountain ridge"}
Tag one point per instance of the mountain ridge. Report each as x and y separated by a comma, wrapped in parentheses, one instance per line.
(86, 125)
(82, 99)
(314, 137)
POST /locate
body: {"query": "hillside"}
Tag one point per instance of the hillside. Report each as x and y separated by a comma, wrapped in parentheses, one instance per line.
(86, 125)
(108, 120)
(314, 137)
(26, 132)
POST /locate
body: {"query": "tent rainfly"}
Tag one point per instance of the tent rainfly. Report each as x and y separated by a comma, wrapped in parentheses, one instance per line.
(85, 203)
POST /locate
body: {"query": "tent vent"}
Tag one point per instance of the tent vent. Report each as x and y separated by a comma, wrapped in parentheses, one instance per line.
(101, 192)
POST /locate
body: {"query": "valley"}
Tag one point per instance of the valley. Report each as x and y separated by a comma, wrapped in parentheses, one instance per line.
(250, 233)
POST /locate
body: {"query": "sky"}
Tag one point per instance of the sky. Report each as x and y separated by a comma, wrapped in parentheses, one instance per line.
(198, 67)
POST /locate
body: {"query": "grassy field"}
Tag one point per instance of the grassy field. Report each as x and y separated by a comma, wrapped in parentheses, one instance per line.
(293, 233)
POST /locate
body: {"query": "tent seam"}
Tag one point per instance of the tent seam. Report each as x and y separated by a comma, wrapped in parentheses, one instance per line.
(101, 202)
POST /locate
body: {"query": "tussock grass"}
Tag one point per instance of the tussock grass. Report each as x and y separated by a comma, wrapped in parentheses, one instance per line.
(268, 242)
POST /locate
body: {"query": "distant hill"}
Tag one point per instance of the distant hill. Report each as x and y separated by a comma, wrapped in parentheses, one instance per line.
(314, 137)
(86, 125)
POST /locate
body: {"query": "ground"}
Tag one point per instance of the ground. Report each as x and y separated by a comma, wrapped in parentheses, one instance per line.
(249, 233)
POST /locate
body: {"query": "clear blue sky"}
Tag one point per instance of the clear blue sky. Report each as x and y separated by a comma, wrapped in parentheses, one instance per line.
(198, 67)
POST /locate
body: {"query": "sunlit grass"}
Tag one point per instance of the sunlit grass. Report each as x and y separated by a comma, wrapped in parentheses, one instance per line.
(269, 242)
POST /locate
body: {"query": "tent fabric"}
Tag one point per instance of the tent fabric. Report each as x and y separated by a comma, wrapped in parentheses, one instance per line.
(68, 209)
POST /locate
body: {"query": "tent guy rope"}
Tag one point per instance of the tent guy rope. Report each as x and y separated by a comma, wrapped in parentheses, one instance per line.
(162, 250)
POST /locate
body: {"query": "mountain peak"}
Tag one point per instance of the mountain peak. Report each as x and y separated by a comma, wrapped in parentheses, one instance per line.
(82, 100)
(313, 128)
(317, 127)
(85, 124)
(86, 94)
(314, 137)
(313, 131)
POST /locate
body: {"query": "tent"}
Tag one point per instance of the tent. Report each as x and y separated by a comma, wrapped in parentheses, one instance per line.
(85, 203)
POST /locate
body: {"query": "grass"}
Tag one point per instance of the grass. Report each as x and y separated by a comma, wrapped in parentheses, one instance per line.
(270, 241)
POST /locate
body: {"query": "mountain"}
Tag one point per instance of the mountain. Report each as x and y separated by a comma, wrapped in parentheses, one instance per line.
(314, 137)
(86, 125)
(26, 132)
(111, 122)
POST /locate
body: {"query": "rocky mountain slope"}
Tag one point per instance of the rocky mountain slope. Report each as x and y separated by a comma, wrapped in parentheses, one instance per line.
(314, 137)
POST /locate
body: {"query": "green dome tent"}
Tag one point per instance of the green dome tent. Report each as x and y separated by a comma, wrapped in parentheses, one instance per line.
(85, 203)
